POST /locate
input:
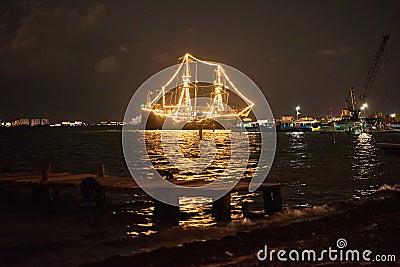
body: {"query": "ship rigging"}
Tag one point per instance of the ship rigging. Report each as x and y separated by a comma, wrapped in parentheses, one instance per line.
(191, 100)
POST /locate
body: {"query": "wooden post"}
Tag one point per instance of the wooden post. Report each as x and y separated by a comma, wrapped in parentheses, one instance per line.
(272, 199)
(102, 170)
(268, 204)
(165, 214)
(222, 208)
(46, 171)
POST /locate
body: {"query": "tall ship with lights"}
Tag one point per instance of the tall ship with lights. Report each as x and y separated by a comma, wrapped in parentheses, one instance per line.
(185, 99)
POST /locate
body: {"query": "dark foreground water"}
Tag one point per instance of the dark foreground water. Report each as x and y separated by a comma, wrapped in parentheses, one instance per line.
(314, 169)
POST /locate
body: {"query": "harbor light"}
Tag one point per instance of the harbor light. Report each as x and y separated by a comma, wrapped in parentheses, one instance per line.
(393, 115)
(297, 112)
(364, 107)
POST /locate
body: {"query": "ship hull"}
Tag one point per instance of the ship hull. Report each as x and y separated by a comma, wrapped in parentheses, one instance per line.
(156, 122)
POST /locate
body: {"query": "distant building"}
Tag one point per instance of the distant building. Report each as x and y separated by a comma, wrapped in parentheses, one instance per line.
(394, 118)
(137, 119)
(24, 122)
(35, 122)
(65, 123)
(21, 122)
(76, 123)
(44, 122)
(376, 115)
(287, 118)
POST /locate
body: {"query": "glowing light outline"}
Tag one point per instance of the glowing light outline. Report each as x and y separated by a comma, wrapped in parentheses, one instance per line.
(174, 116)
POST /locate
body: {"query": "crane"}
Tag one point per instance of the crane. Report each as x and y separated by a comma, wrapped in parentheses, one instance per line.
(353, 104)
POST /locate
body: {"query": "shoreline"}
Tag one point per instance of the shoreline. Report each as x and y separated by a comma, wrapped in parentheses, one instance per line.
(372, 223)
(72, 233)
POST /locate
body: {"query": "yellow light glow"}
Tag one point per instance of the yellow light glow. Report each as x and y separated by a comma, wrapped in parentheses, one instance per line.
(176, 108)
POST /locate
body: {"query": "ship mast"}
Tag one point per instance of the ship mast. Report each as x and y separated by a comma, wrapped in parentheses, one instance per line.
(217, 100)
(185, 100)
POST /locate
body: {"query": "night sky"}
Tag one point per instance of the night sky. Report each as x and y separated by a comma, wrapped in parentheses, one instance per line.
(85, 59)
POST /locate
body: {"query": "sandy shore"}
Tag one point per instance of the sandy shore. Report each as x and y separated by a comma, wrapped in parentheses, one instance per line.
(72, 233)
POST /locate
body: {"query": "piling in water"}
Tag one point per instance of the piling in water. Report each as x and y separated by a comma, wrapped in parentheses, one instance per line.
(46, 171)
(222, 208)
(272, 199)
(102, 170)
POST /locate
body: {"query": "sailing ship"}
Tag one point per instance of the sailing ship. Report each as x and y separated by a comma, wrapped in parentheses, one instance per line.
(196, 103)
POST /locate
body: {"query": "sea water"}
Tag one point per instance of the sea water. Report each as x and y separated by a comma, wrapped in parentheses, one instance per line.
(314, 169)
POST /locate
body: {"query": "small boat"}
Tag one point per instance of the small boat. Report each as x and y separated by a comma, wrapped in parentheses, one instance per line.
(333, 131)
(302, 125)
(390, 130)
(390, 148)
(254, 126)
(344, 126)
(394, 126)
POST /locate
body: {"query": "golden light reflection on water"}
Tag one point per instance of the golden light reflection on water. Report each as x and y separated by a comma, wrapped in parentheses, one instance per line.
(149, 232)
(197, 216)
(312, 168)
(365, 157)
(150, 224)
(191, 214)
(146, 211)
(133, 234)
(298, 148)
(188, 145)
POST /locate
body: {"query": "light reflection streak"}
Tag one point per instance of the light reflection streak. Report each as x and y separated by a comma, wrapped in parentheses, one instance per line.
(365, 160)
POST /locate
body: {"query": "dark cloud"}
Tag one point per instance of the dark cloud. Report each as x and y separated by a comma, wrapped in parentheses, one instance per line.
(4, 21)
(108, 65)
(340, 50)
(164, 58)
(94, 15)
(49, 31)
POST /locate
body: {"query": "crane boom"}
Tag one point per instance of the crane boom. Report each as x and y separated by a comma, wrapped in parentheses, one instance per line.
(373, 70)
(354, 105)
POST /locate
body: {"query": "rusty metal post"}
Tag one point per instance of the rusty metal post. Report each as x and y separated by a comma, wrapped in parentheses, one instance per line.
(46, 171)
(102, 170)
